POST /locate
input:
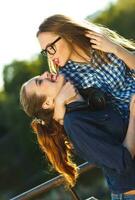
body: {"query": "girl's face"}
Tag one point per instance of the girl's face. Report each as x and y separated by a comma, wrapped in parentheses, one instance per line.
(55, 47)
(45, 86)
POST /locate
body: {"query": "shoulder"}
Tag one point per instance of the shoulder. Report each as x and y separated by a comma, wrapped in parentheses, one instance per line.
(74, 120)
(115, 65)
(71, 125)
(71, 118)
(76, 112)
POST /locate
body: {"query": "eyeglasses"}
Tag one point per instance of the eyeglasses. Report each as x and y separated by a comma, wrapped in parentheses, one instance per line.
(51, 48)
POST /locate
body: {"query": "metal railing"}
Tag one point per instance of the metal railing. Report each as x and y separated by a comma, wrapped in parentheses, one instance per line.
(51, 184)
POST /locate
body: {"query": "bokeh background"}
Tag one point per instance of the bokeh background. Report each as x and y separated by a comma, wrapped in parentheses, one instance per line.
(22, 164)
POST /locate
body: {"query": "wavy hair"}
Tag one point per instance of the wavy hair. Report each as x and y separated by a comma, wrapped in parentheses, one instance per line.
(50, 135)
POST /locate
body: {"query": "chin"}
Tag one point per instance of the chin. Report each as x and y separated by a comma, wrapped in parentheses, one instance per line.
(62, 64)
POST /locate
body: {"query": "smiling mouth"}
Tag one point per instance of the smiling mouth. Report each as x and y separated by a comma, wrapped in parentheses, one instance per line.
(54, 77)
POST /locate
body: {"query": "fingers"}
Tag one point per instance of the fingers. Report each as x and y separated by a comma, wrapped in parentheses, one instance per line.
(76, 91)
(101, 42)
(94, 35)
(96, 39)
(95, 47)
(69, 85)
(96, 44)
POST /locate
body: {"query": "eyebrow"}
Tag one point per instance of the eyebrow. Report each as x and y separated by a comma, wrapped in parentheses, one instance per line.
(36, 81)
(51, 43)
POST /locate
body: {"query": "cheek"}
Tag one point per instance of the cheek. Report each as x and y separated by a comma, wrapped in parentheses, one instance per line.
(48, 88)
(64, 54)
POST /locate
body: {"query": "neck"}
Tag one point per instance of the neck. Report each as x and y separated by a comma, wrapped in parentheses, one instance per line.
(78, 55)
(78, 97)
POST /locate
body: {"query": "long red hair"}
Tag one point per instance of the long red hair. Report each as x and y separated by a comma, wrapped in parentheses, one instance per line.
(51, 136)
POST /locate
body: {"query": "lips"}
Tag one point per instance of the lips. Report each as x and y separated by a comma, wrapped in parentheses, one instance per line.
(54, 77)
(56, 62)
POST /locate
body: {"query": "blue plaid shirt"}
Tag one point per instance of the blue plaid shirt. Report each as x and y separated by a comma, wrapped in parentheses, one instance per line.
(113, 77)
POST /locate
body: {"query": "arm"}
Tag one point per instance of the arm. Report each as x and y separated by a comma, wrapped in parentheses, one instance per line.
(129, 141)
(103, 43)
(95, 143)
(127, 56)
(59, 111)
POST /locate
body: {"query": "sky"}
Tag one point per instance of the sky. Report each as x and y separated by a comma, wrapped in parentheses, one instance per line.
(19, 21)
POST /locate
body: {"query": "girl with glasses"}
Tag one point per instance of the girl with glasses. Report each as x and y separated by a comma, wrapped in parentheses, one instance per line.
(90, 56)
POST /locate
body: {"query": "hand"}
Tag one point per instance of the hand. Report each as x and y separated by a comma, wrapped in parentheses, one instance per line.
(132, 106)
(67, 93)
(101, 42)
(129, 141)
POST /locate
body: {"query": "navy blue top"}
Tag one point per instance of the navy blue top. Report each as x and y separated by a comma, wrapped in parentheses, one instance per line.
(97, 137)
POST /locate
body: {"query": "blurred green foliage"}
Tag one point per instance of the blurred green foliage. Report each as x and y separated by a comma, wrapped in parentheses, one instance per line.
(22, 165)
(21, 158)
(119, 17)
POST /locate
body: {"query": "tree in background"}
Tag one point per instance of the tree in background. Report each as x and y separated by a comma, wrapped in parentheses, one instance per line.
(119, 17)
(20, 156)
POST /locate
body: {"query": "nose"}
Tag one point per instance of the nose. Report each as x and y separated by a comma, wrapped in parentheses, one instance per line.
(45, 75)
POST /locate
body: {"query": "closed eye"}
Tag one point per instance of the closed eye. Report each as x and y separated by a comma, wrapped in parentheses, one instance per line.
(38, 81)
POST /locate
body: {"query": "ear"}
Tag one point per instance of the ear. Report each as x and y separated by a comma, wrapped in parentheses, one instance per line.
(49, 103)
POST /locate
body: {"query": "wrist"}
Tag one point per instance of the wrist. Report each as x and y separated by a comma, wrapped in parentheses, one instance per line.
(132, 118)
(116, 49)
(59, 101)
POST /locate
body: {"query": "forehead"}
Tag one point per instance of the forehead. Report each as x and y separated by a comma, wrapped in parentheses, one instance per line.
(31, 84)
(47, 37)
(32, 80)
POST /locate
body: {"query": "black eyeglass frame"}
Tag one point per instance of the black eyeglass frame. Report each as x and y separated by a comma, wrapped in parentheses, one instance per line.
(45, 51)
